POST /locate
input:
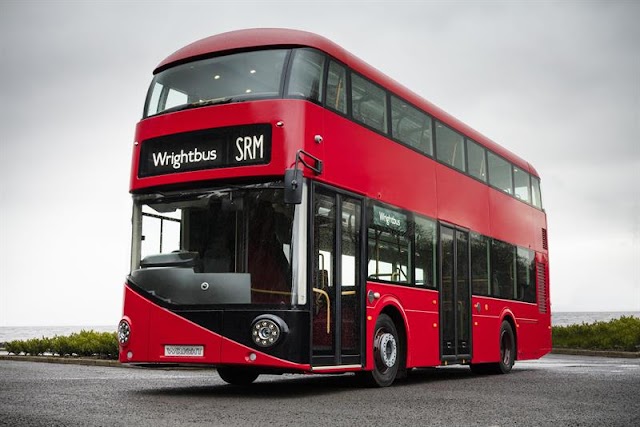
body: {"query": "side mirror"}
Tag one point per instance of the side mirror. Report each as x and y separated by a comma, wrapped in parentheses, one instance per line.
(293, 186)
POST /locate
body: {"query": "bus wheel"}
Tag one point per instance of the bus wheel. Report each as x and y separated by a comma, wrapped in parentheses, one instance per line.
(237, 376)
(507, 349)
(507, 354)
(387, 353)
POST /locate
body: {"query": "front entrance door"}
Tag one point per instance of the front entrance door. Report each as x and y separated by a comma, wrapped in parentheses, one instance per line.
(336, 283)
(455, 294)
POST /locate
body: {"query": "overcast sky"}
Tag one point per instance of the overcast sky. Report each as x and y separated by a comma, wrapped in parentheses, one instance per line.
(557, 83)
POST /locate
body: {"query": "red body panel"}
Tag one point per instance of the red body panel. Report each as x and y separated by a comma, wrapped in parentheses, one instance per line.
(153, 327)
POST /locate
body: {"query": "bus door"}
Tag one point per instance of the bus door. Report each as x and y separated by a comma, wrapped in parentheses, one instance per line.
(336, 279)
(455, 295)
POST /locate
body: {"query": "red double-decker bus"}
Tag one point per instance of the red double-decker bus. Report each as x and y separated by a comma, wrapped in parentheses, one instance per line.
(295, 210)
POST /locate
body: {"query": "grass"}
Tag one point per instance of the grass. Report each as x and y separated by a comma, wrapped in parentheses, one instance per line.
(621, 334)
(85, 343)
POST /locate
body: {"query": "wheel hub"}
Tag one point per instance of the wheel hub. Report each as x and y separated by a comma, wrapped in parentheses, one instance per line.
(388, 350)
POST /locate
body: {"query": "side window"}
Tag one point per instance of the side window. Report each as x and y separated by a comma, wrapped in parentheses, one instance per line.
(500, 173)
(389, 246)
(305, 79)
(536, 196)
(161, 232)
(449, 147)
(411, 126)
(521, 181)
(525, 275)
(337, 88)
(477, 163)
(425, 235)
(324, 234)
(480, 284)
(368, 103)
(502, 270)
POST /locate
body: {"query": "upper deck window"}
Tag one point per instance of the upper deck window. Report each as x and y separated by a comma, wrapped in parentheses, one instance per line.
(500, 173)
(337, 88)
(477, 164)
(369, 103)
(411, 126)
(305, 80)
(240, 76)
(450, 147)
(535, 192)
(521, 180)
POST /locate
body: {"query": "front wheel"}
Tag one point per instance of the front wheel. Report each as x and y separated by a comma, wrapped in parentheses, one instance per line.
(237, 376)
(387, 353)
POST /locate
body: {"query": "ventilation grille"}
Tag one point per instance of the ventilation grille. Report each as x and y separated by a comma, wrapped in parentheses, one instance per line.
(545, 243)
(541, 276)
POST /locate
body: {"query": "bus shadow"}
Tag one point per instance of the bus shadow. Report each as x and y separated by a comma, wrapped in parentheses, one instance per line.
(294, 386)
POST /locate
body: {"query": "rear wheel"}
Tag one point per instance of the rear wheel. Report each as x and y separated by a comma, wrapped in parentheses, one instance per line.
(507, 349)
(237, 376)
(507, 354)
(387, 354)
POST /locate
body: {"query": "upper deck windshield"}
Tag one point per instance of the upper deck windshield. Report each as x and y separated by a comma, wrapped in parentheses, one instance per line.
(225, 246)
(236, 77)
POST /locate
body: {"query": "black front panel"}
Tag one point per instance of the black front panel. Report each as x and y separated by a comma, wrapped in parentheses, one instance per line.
(236, 325)
(206, 149)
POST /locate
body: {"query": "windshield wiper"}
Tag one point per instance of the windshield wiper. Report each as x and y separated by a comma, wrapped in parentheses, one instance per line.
(214, 101)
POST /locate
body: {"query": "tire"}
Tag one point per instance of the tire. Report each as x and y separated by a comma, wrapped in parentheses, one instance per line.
(387, 354)
(237, 376)
(507, 354)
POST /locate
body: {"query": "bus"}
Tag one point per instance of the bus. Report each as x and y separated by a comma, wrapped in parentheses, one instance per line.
(297, 211)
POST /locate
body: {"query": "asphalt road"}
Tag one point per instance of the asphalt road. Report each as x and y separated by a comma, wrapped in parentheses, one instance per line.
(556, 390)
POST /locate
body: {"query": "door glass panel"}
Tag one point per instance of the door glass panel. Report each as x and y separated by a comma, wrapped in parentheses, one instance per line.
(323, 277)
(446, 294)
(350, 263)
(462, 292)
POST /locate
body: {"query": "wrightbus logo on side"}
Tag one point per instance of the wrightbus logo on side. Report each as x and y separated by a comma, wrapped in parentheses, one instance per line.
(389, 220)
(177, 160)
(249, 148)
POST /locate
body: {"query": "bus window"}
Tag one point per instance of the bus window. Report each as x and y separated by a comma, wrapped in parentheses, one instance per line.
(480, 284)
(368, 103)
(521, 181)
(235, 77)
(411, 126)
(500, 173)
(502, 270)
(337, 88)
(477, 161)
(160, 231)
(525, 275)
(306, 75)
(535, 192)
(450, 147)
(389, 246)
(425, 234)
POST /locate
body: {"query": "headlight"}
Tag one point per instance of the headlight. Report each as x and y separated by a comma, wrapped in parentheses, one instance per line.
(267, 330)
(124, 331)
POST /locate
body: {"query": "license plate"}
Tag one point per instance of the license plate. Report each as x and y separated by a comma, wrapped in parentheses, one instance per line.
(184, 350)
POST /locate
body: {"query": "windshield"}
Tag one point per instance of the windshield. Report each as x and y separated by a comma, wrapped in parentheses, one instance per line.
(240, 76)
(224, 246)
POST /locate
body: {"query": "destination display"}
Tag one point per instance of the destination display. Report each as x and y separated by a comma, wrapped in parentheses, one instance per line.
(206, 149)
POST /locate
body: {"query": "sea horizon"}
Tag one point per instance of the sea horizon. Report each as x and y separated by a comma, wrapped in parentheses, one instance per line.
(10, 333)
